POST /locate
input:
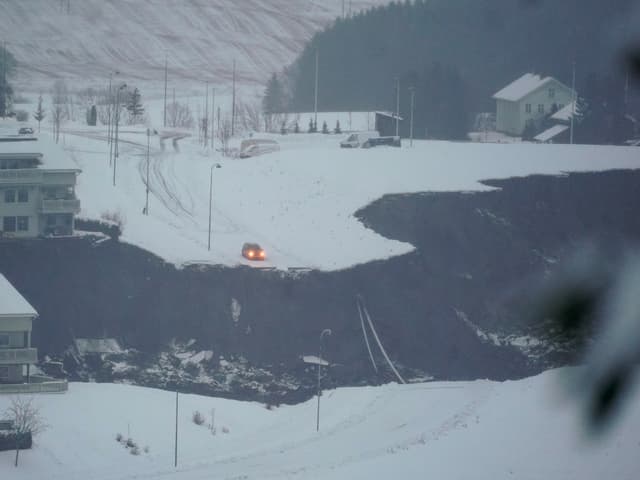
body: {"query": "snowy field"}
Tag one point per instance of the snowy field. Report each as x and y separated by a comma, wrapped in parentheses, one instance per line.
(298, 203)
(523, 429)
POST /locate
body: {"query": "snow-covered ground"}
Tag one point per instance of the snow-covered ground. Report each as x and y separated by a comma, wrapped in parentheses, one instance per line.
(484, 430)
(298, 203)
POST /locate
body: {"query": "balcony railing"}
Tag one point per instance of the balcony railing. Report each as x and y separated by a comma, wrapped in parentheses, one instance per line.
(38, 386)
(18, 355)
(20, 176)
(60, 206)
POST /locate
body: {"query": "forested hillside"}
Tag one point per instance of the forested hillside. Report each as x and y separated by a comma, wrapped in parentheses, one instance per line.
(457, 54)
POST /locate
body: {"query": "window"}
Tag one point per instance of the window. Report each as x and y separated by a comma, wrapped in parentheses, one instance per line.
(527, 108)
(552, 93)
(540, 108)
(4, 340)
(23, 224)
(23, 195)
(9, 224)
(4, 373)
(10, 196)
(51, 220)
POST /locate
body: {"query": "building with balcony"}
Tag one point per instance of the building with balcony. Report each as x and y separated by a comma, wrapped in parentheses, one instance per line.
(37, 188)
(17, 355)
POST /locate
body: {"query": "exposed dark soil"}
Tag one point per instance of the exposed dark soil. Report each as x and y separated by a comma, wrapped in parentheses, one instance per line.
(479, 254)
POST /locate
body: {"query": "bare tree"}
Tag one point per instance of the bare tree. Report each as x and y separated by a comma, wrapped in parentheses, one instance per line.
(26, 420)
(224, 133)
(179, 115)
(249, 116)
(59, 106)
(39, 114)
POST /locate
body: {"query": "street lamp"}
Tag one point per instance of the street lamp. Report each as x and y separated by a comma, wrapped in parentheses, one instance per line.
(326, 331)
(413, 94)
(109, 120)
(146, 203)
(215, 165)
(116, 151)
(397, 106)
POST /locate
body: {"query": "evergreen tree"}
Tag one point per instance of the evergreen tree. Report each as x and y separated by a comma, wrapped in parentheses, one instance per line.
(39, 114)
(296, 128)
(134, 106)
(92, 116)
(325, 129)
(337, 130)
(7, 66)
(311, 130)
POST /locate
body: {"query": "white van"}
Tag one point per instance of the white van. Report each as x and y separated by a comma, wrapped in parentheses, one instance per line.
(355, 140)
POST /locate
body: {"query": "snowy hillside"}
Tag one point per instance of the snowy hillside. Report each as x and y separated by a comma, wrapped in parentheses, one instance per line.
(201, 37)
(481, 430)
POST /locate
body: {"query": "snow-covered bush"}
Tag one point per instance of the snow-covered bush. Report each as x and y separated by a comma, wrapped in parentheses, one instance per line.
(22, 115)
(135, 450)
(119, 438)
(198, 418)
(115, 218)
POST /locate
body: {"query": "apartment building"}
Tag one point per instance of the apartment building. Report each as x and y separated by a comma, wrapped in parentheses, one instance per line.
(37, 188)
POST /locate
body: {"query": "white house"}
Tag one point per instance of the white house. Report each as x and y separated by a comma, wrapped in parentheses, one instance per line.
(37, 188)
(17, 354)
(528, 99)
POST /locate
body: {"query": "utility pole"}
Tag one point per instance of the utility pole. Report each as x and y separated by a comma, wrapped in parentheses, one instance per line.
(233, 100)
(215, 165)
(4, 80)
(397, 106)
(116, 151)
(206, 115)
(413, 94)
(315, 102)
(213, 109)
(175, 452)
(165, 89)
(343, 9)
(146, 204)
(326, 331)
(574, 100)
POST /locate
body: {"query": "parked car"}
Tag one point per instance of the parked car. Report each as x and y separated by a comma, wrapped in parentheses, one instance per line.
(376, 142)
(25, 131)
(253, 251)
(356, 140)
(255, 146)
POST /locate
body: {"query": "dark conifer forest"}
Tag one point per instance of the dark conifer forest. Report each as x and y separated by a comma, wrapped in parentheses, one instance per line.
(456, 54)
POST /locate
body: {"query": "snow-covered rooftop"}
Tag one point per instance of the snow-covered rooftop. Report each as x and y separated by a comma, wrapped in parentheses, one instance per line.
(550, 133)
(565, 113)
(389, 114)
(521, 87)
(11, 302)
(52, 156)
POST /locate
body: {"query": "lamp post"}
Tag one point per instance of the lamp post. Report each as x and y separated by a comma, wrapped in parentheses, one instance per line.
(116, 152)
(109, 119)
(146, 203)
(413, 94)
(326, 331)
(215, 165)
(397, 106)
